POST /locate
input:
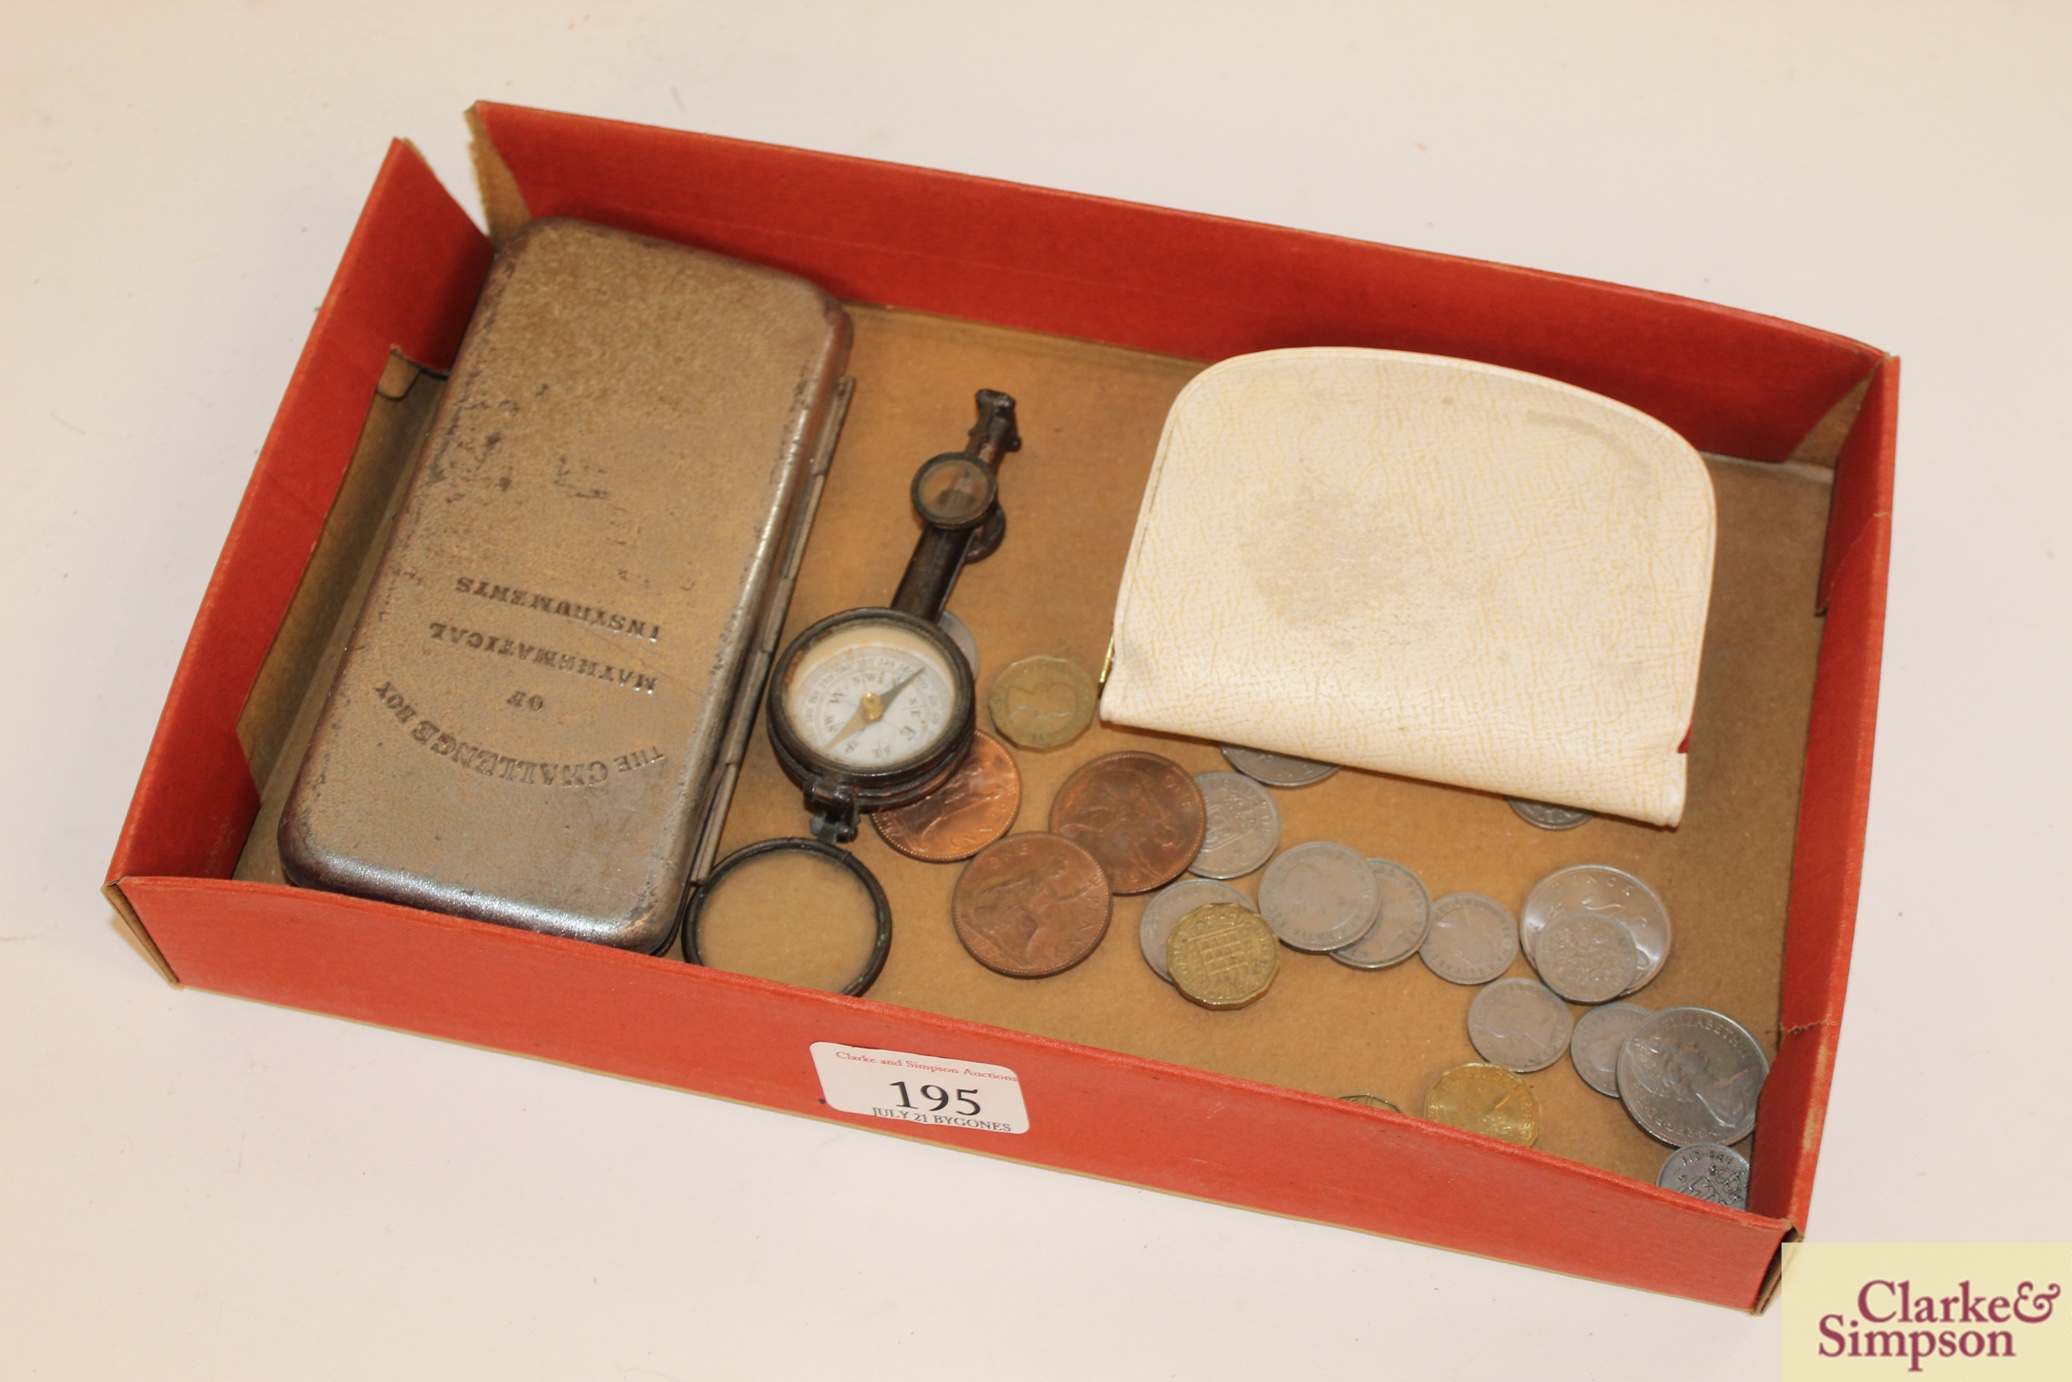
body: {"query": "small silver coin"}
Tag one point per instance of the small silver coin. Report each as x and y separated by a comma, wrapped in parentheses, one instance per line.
(960, 634)
(1547, 816)
(1587, 957)
(1369, 1101)
(1405, 920)
(1472, 940)
(1594, 1049)
(1276, 769)
(1319, 896)
(1520, 1024)
(1169, 906)
(1707, 1171)
(1600, 888)
(1244, 826)
(1691, 1075)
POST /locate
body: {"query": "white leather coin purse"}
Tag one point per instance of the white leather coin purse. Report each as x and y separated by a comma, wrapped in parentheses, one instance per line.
(1424, 566)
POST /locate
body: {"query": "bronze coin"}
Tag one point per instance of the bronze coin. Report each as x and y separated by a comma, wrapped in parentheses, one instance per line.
(1139, 814)
(1031, 905)
(964, 815)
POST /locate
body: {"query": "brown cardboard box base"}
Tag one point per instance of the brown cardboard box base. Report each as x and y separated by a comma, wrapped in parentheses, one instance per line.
(1091, 417)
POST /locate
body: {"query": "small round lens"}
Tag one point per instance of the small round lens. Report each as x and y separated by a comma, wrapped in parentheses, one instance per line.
(954, 491)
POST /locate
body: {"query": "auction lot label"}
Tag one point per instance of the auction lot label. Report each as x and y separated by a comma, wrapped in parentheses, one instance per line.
(905, 1087)
(1943, 1310)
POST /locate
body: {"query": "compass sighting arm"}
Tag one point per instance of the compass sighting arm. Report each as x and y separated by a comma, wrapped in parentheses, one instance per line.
(957, 497)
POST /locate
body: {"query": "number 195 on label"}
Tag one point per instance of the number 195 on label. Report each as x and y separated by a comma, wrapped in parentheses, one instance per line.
(936, 1091)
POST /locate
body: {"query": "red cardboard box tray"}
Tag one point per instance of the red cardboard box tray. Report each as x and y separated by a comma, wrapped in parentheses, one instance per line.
(1159, 280)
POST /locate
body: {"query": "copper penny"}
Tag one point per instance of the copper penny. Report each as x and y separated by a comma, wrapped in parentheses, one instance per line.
(1139, 814)
(964, 815)
(1031, 905)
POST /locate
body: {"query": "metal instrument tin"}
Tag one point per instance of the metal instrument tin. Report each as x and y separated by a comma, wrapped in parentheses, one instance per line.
(539, 714)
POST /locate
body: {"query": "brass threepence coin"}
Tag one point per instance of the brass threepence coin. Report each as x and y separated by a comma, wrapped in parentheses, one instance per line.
(1369, 1101)
(964, 815)
(1170, 907)
(1139, 814)
(1587, 957)
(1485, 1099)
(1030, 905)
(1223, 956)
(1041, 702)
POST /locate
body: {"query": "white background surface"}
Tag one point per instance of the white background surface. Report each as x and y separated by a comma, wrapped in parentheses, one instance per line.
(192, 1186)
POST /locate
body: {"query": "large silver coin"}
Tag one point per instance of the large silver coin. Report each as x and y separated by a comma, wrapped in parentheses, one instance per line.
(1690, 1075)
(1547, 816)
(1600, 888)
(1519, 1024)
(1244, 826)
(1587, 957)
(1319, 896)
(1405, 920)
(1276, 769)
(1472, 940)
(1707, 1171)
(960, 634)
(1166, 908)
(1594, 1049)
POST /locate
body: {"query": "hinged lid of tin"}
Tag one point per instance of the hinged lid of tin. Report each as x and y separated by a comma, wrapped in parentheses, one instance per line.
(531, 719)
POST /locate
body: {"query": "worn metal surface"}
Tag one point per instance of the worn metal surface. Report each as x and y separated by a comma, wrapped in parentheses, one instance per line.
(531, 715)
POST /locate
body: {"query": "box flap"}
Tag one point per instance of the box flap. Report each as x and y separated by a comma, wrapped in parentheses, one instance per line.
(195, 798)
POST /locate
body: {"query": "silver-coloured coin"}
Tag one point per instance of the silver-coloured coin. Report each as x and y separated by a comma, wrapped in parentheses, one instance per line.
(1594, 1049)
(1690, 1075)
(1244, 826)
(1707, 1171)
(1600, 888)
(1166, 909)
(1319, 896)
(1547, 816)
(1276, 769)
(1587, 957)
(1405, 920)
(960, 634)
(1472, 939)
(1369, 1101)
(1520, 1024)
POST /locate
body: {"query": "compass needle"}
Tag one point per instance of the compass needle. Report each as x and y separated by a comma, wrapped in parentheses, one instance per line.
(885, 701)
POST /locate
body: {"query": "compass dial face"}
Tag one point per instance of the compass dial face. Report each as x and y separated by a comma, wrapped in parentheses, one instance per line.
(871, 694)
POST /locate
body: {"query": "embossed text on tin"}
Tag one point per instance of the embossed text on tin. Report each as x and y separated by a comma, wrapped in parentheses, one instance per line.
(524, 771)
(592, 615)
(479, 641)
